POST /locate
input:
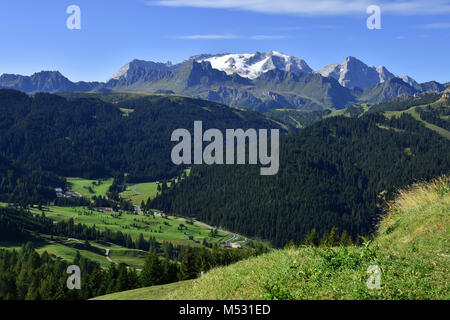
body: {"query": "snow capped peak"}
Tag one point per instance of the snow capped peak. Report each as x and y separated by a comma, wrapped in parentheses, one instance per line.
(279, 54)
(252, 65)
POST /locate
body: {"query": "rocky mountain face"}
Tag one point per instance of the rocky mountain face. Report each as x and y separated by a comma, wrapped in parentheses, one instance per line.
(258, 81)
(44, 81)
(355, 73)
(393, 87)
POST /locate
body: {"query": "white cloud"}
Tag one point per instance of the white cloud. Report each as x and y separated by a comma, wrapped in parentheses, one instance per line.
(267, 37)
(439, 25)
(230, 36)
(209, 37)
(316, 7)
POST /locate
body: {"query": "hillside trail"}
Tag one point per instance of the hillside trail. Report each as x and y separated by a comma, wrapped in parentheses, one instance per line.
(107, 251)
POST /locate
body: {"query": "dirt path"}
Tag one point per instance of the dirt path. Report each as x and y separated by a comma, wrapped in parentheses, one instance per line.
(107, 255)
(107, 251)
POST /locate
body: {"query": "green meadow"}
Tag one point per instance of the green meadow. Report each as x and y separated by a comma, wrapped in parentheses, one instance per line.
(65, 249)
(173, 229)
(415, 114)
(89, 188)
(143, 191)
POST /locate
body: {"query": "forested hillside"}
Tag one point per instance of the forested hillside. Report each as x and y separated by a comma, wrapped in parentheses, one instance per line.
(332, 174)
(18, 185)
(91, 138)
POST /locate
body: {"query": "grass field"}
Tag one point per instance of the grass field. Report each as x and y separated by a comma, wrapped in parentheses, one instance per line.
(413, 112)
(142, 191)
(161, 228)
(156, 292)
(133, 258)
(85, 186)
(66, 249)
(411, 248)
(174, 229)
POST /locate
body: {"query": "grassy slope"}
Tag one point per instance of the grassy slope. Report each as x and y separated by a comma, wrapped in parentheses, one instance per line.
(80, 185)
(66, 249)
(144, 191)
(413, 112)
(135, 224)
(156, 292)
(412, 249)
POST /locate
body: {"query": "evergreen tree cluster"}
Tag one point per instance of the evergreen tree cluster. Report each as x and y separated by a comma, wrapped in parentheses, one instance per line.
(93, 139)
(26, 186)
(438, 116)
(331, 175)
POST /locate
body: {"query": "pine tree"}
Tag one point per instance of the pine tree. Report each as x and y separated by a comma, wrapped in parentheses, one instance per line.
(346, 240)
(141, 243)
(205, 259)
(290, 245)
(152, 273)
(133, 279)
(216, 256)
(330, 239)
(324, 241)
(122, 279)
(312, 239)
(333, 237)
(188, 268)
(129, 242)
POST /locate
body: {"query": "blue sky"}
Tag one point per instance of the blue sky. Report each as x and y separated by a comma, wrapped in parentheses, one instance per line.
(414, 39)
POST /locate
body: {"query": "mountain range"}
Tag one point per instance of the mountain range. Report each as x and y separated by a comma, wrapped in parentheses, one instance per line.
(258, 81)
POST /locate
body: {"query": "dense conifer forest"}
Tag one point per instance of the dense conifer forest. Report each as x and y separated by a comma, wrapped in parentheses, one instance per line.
(336, 173)
(92, 139)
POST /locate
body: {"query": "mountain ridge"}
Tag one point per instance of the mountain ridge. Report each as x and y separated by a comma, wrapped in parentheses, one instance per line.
(258, 81)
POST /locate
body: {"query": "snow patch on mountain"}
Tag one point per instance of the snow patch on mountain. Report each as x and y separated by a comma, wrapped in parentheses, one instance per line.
(253, 65)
